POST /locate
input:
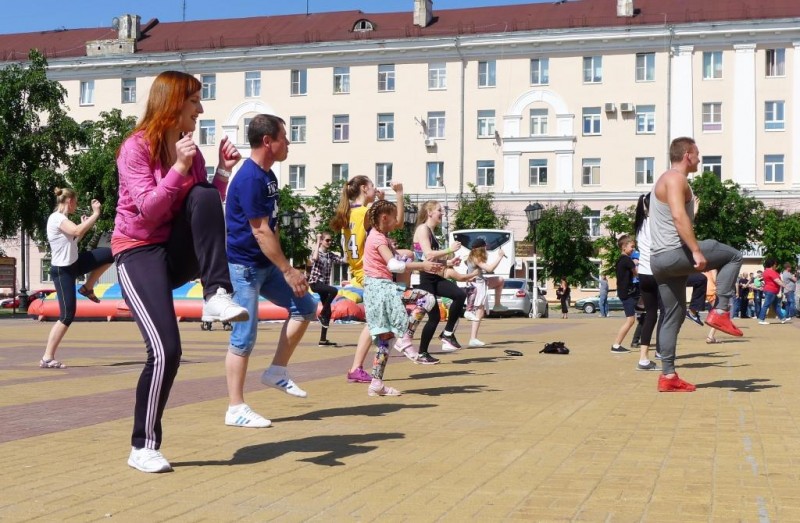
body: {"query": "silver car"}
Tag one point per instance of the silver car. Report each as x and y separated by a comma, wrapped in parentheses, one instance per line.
(517, 296)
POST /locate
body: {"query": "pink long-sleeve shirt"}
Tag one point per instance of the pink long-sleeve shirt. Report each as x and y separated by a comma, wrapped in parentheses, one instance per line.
(149, 196)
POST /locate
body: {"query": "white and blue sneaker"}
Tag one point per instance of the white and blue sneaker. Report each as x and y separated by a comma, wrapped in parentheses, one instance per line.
(280, 380)
(243, 416)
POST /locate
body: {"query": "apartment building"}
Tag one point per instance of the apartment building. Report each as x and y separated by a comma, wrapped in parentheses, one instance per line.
(573, 100)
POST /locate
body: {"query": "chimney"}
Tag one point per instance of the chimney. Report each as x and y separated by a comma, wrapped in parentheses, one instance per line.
(423, 12)
(129, 27)
(625, 8)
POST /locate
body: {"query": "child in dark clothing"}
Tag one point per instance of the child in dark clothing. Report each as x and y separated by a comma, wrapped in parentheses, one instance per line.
(626, 272)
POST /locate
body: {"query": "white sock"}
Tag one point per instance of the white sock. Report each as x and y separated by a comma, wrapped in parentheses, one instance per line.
(616, 345)
(235, 408)
(644, 362)
(447, 333)
(276, 369)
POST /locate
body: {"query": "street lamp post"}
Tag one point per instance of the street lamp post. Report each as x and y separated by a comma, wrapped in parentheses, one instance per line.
(410, 217)
(533, 212)
(291, 223)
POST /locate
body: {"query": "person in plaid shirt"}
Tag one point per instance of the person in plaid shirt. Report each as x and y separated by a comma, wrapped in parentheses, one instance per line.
(322, 260)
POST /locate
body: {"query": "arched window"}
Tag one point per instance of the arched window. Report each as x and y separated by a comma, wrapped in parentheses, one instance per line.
(363, 25)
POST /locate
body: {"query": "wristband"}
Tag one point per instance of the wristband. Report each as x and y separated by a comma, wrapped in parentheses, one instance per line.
(223, 173)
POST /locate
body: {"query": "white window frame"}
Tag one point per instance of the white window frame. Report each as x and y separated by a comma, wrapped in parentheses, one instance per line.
(87, 92)
(775, 63)
(299, 82)
(487, 74)
(433, 172)
(437, 76)
(297, 177)
(540, 71)
(298, 129)
(339, 172)
(44, 268)
(484, 173)
(383, 174)
(252, 84)
(486, 123)
(386, 78)
(645, 119)
(645, 170)
(128, 90)
(246, 125)
(593, 69)
(208, 132)
(593, 223)
(590, 172)
(341, 80)
(538, 119)
(645, 67)
(774, 115)
(341, 128)
(537, 172)
(208, 91)
(712, 117)
(437, 122)
(712, 65)
(385, 127)
(713, 163)
(591, 117)
(774, 168)
(211, 171)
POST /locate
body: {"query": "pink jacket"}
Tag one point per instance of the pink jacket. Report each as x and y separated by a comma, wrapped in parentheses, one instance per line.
(150, 198)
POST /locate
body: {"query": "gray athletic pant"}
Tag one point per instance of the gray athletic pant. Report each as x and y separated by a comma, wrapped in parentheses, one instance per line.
(671, 269)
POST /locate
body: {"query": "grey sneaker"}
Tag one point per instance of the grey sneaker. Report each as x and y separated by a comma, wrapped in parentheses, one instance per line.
(619, 350)
(221, 307)
(650, 366)
(148, 460)
(499, 308)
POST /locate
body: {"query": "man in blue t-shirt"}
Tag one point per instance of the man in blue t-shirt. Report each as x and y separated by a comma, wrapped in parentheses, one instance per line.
(258, 267)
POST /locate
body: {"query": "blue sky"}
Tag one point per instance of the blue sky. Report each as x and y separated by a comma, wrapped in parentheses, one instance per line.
(21, 16)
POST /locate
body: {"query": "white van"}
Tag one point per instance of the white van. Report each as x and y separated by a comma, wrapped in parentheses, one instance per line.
(496, 239)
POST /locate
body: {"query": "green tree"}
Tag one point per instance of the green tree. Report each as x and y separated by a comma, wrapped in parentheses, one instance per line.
(781, 231)
(726, 213)
(294, 242)
(616, 223)
(36, 136)
(93, 172)
(476, 211)
(323, 207)
(562, 240)
(404, 236)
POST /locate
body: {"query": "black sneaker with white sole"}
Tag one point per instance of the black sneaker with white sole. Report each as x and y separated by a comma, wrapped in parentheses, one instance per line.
(619, 350)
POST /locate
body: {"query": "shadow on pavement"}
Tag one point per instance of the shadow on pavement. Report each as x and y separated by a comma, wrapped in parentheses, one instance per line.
(333, 449)
(430, 375)
(751, 385)
(486, 359)
(703, 355)
(446, 391)
(361, 410)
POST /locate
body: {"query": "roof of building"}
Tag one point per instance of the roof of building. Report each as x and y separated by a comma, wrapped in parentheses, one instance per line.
(338, 26)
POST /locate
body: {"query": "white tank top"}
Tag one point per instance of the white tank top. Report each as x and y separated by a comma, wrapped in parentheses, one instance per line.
(663, 233)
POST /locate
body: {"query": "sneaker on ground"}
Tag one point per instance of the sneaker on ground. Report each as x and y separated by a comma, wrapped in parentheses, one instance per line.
(694, 316)
(469, 315)
(148, 460)
(635, 344)
(327, 343)
(427, 359)
(221, 307)
(722, 322)
(763, 322)
(245, 417)
(475, 342)
(449, 343)
(649, 366)
(358, 376)
(619, 350)
(282, 382)
(658, 355)
(787, 319)
(674, 384)
(405, 347)
(500, 308)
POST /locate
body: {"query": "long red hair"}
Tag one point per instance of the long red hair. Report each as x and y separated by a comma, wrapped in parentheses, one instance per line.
(168, 93)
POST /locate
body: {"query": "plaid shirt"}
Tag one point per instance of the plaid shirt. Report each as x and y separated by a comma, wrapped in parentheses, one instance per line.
(321, 267)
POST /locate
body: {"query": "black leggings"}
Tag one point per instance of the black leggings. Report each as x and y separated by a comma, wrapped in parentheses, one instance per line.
(649, 289)
(64, 280)
(440, 287)
(326, 295)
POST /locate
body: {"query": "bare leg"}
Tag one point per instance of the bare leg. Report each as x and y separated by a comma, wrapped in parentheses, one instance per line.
(362, 349)
(623, 331)
(291, 334)
(54, 340)
(235, 372)
(476, 324)
(93, 276)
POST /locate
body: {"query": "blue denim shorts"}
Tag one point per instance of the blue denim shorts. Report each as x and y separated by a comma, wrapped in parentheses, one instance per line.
(251, 282)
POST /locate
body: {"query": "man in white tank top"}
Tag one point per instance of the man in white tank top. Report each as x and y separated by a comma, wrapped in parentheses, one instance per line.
(676, 253)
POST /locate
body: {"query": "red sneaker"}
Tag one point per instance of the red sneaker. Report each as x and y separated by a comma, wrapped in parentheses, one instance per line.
(722, 322)
(674, 384)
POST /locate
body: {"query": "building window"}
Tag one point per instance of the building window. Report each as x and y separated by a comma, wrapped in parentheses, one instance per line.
(208, 132)
(341, 128)
(297, 129)
(773, 116)
(773, 168)
(592, 69)
(591, 171)
(713, 164)
(87, 92)
(437, 76)
(712, 117)
(645, 119)
(487, 74)
(341, 80)
(383, 174)
(435, 174)
(246, 126)
(591, 121)
(540, 71)
(537, 172)
(297, 177)
(340, 172)
(645, 67)
(712, 65)
(386, 78)
(44, 268)
(538, 122)
(211, 171)
(644, 171)
(252, 84)
(386, 126)
(299, 82)
(486, 124)
(592, 219)
(485, 173)
(128, 90)
(436, 121)
(776, 62)
(208, 91)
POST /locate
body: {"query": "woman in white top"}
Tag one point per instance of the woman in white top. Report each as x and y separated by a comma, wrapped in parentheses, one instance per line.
(477, 262)
(647, 283)
(67, 265)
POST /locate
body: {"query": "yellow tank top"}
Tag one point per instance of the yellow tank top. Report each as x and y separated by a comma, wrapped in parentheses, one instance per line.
(355, 236)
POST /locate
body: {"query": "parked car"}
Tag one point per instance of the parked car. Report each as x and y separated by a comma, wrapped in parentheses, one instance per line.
(11, 303)
(592, 305)
(516, 295)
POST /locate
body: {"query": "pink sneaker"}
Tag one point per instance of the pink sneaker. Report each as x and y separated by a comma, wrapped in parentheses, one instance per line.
(405, 346)
(359, 376)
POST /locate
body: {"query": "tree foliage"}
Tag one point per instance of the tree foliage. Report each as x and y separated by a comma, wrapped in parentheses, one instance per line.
(780, 236)
(294, 242)
(615, 222)
(36, 136)
(323, 207)
(562, 240)
(725, 213)
(93, 172)
(476, 211)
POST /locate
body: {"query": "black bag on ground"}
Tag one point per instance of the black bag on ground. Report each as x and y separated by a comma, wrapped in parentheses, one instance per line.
(555, 347)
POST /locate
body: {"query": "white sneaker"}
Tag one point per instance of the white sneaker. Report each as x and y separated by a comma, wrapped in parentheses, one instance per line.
(500, 308)
(786, 319)
(469, 315)
(763, 323)
(475, 342)
(282, 382)
(221, 307)
(243, 416)
(148, 460)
